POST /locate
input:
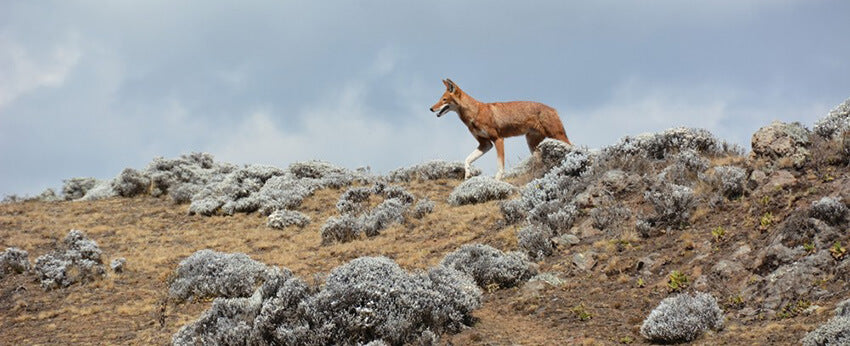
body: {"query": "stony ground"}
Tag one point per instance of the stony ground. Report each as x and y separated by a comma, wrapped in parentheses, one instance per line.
(604, 304)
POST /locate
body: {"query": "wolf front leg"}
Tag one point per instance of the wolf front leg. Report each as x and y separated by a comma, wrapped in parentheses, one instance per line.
(484, 145)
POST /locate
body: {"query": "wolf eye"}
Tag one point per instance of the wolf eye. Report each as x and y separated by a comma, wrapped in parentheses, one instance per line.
(444, 99)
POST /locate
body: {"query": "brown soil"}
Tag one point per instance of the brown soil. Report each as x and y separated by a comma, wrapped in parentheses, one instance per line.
(154, 235)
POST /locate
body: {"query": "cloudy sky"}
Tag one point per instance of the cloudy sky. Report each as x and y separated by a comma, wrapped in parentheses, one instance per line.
(89, 88)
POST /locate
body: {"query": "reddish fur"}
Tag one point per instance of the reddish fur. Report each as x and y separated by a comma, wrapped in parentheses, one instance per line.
(503, 119)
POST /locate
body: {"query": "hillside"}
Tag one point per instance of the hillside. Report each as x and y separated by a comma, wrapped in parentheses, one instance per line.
(586, 245)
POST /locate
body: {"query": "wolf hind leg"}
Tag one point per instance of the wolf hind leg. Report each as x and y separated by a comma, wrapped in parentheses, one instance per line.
(533, 139)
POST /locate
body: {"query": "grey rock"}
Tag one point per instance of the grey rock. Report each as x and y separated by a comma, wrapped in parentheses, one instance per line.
(566, 240)
(584, 261)
(780, 140)
(117, 264)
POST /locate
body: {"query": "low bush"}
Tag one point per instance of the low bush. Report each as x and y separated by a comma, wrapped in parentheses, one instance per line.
(369, 300)
(830, 210)
(13, 261)
(370, 222)
(77, 260)
(835, 123)
(284, 218)
(431, 170)
(423, 207)
(673, 204)
(479, 190)
(207, 273)
(76, 188)
(610, 216)
(682, 318)
(372, 298)
(536, 241)
(729, 181)
(101, 190)
(343, 228)
(131, 183)
(661, 145)
(836, 331)
(491, 266)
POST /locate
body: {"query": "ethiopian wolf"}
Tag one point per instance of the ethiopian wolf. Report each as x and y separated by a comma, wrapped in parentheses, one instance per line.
(490, 123)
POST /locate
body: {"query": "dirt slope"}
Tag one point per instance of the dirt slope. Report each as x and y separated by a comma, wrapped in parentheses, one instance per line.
(604, 305)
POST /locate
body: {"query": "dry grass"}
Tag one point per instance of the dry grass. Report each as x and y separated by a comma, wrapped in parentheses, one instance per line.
(154, 235)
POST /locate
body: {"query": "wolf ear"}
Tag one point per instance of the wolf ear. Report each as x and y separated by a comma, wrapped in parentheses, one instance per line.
(450, 86)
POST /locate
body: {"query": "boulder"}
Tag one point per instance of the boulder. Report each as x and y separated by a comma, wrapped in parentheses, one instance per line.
(782, 140)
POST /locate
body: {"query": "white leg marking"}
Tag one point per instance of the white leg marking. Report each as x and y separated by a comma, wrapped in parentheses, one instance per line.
(501, 171)
(472, 157)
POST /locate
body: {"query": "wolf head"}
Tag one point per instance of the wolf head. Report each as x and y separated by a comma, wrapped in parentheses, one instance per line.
(449, 100)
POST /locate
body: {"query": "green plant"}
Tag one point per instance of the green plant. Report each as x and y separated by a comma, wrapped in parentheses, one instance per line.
(677, 281)
(793, 310)
(640, 283)
(736, 302)
(766, 220)
(627, 340)
(718, 233)
(809, 247)
(838, 252)
(581, 312)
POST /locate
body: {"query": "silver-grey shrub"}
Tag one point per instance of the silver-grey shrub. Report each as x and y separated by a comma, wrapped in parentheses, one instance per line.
(830, 210)
(13, 261)
(77, 260)
(610, 216)
(357, 219)
(195, 169)
(367, 299)
(315, 169)
(284, 218)
(552, 152)
(373, 298)
(730, 180)
(183, 193)
(48, 195)
(422, 207)
(673, 204)
(479, 190)
(686, 168)
(352, 200)
(843, 308)
(836, 331)
(682, 318)
(513, 210)
(229, 321)
(659, 145)
(131, 183)
(490, 266)
(342, 228)
(268, 316)
(102, 189)
(536, 241)
(388, 212)
(207, 273)
(76, 188)
(431, 170)
(548, 200)
(284, 192)
(835, 123)
(233, 193)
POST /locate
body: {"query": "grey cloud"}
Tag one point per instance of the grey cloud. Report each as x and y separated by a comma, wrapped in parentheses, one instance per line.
(164, 78)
